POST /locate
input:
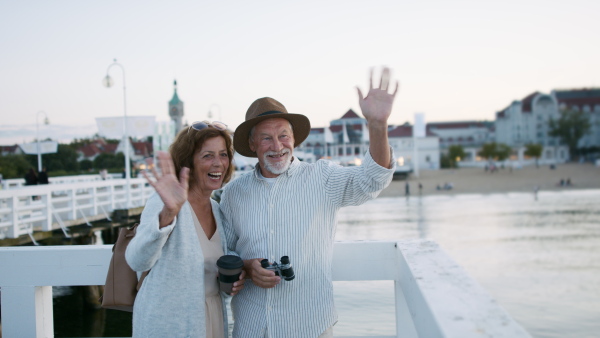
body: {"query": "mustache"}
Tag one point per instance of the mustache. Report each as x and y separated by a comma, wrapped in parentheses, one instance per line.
(282, 152)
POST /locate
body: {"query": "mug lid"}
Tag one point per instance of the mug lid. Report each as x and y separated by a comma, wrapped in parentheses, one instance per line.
(230, 262)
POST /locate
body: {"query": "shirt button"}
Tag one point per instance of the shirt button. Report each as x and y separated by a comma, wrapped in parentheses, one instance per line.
(272, 232)
(268, 308)
(271, 205)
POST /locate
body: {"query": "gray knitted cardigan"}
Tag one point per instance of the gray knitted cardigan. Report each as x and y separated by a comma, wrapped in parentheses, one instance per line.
(171, 300)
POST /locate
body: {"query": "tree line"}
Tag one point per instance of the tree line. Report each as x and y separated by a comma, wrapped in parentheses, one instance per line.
(569, 128)
(63, 162)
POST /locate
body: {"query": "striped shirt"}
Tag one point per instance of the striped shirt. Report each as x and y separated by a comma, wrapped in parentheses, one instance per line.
(296, 217)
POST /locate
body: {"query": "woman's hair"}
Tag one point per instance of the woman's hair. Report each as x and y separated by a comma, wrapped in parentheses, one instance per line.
(189, 140)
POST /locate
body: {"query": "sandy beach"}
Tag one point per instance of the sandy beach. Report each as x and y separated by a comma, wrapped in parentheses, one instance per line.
(477, 181)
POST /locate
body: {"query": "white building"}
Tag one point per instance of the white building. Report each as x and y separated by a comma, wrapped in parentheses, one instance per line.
(526, 121)
(467, 134)
(346, 140)
(588, 101)
(471, 135)
(427, 152)
(138, 151)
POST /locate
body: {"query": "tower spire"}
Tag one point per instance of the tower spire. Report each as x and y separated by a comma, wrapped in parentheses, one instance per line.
(176, 109)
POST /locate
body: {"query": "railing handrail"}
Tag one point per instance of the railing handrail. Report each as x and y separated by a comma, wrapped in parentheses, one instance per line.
(48, 207)
(434, 296)
(17, 183)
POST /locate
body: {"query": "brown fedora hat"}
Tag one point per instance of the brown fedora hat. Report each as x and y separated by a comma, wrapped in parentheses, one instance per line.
(268, 108)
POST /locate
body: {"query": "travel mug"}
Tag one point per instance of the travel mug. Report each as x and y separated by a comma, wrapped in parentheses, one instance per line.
(230, 269)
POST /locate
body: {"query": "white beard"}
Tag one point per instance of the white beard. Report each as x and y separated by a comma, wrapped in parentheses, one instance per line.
(280, 167)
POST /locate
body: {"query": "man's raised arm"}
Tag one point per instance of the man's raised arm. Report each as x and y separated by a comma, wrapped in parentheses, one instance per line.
(376, 108)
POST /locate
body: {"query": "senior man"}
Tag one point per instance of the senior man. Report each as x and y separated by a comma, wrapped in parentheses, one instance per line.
(286, 207)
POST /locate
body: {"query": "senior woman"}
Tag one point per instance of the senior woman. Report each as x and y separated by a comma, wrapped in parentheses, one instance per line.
(180, 238)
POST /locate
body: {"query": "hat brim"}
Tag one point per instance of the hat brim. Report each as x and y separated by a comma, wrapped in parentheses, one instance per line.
(300, 126)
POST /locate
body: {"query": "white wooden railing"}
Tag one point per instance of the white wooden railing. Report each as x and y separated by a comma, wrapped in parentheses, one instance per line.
(16, 183)
(434, 296)
(55, 206)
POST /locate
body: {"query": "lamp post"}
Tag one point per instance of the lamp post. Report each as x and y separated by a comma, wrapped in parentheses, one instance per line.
(108, 82)
(37, 136)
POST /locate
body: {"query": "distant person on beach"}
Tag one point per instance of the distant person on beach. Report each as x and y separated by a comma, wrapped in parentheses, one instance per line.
(180, 237)
(407, 189)
(31, 177)
(286, 207)
(43, 176)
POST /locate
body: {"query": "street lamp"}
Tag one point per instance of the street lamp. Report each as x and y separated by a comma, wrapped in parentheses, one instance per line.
(37, 136)
(108, 82)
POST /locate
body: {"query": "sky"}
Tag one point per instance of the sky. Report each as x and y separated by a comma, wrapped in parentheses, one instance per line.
(455, 60)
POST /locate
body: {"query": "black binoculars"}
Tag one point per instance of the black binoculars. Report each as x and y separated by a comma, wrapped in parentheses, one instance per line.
(284, 269)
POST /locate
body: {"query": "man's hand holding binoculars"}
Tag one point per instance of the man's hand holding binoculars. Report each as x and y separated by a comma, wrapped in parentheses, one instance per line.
(260, 276)
(267, 275)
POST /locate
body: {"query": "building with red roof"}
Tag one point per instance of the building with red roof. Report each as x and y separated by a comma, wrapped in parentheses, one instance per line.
(468, 134)
(11, 150)
(346, 140)
(526, 121)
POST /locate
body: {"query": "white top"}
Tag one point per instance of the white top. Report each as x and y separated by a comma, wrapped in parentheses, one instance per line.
(167, 305)
(212, 251)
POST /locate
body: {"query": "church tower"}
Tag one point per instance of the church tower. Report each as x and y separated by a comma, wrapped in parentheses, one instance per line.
(176, 109)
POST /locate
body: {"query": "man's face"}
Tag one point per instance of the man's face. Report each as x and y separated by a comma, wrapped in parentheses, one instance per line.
(273, 142)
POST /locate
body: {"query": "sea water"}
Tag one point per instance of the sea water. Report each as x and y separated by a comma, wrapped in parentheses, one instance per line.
(539, 257)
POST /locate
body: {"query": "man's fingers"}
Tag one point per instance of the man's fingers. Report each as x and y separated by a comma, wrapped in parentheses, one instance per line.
(397, 87)
(268, 282)
(371, 80)
(360, 95)
(385, 79)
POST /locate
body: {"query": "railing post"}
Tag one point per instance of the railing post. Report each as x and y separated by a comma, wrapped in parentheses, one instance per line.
(14, 229)
(405, 326)
(95, 199)
(30, 312)
(48, 222)
(112, 195)
(73, 193)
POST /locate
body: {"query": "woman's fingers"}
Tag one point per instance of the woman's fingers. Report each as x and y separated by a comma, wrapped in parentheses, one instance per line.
(184, 178)
(150, 181)
(165, 163)
(154, 172)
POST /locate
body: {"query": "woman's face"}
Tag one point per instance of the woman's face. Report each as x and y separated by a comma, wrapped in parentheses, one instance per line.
(210, 164)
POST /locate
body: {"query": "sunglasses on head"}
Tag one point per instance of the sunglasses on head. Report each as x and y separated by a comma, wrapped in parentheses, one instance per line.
(199, 125)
